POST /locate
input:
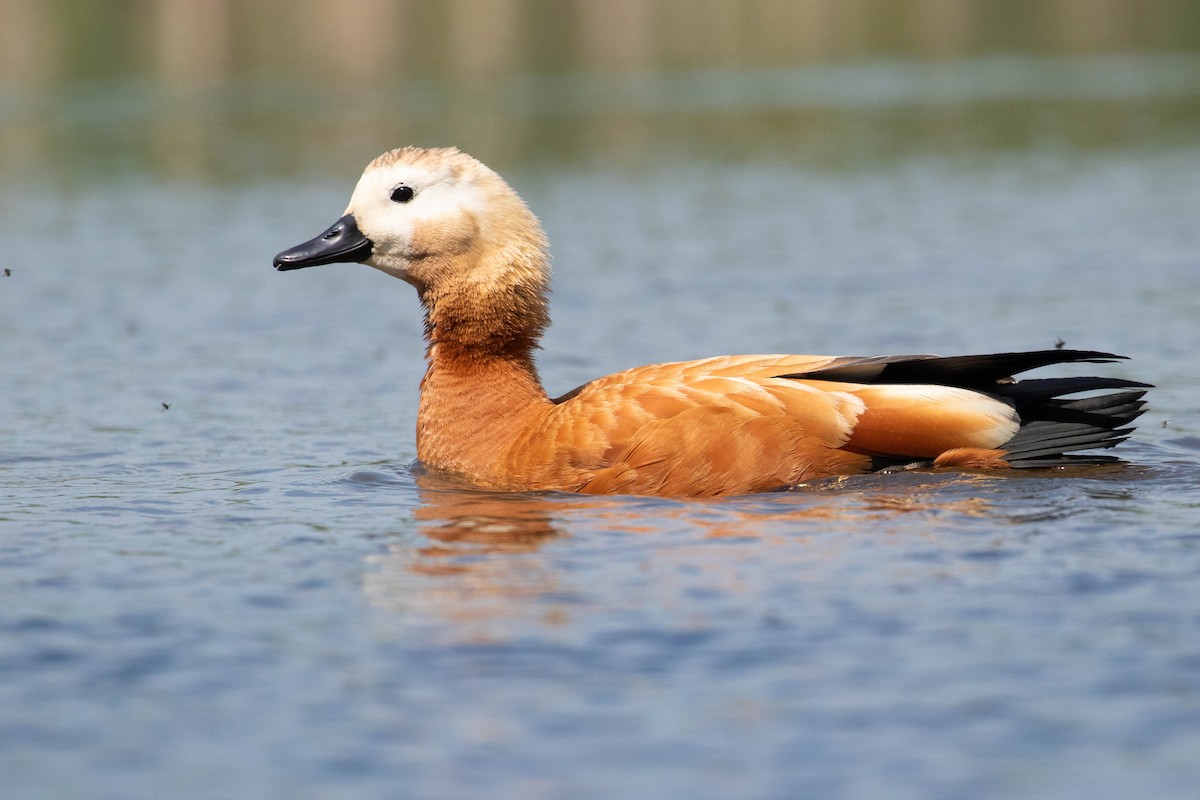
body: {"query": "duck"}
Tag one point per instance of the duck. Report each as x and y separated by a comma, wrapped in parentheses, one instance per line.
(478, 258)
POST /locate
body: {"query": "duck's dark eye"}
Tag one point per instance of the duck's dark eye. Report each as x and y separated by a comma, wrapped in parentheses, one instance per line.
(402, 194)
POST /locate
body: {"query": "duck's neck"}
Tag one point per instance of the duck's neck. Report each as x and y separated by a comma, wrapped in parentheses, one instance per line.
(481, 387)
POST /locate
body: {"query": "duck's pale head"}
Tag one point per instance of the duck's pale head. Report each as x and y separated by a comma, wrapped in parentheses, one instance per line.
(428, 216)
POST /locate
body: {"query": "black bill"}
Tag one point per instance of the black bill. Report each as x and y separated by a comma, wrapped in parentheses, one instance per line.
(342, 241)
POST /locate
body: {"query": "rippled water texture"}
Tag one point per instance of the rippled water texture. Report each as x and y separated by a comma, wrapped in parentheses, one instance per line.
(220, 577)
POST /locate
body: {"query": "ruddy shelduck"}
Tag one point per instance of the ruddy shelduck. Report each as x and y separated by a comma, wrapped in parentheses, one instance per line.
(477, 256)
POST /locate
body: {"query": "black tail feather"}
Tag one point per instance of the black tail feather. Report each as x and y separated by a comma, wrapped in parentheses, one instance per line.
(1089, 460)
(1032, 389)
(1052, 427)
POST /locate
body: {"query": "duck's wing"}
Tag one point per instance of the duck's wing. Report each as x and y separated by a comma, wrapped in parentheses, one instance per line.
(740, 424)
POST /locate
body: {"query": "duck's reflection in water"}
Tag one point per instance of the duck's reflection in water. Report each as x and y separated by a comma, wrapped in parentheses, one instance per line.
(481, 565)
(479, 557)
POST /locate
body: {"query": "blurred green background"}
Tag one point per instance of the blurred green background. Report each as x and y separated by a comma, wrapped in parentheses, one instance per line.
(216, 90)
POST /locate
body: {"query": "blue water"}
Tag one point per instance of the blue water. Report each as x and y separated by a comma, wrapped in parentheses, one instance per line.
(220, 577)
